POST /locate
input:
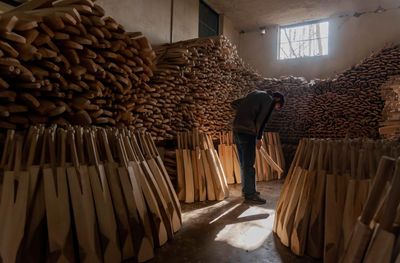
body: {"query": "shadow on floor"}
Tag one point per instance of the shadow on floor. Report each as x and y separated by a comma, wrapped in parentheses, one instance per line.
(229, 231)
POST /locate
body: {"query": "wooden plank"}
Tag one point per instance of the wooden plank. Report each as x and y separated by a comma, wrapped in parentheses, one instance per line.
(188, 168)
(83, 207)
(166, 178)
(138, 214)
(221, 153)
(222, 177)
(200, 168)
(289, 186)
(35, 228)
(270, 161)
(228, 152)
(162, 184)
(13, 207)
(280, 151)
(383, 241)
(180, 170)
(216, 166)
(315, 240)
(270, 149)
(120, 208)
(191, 139)
(151, 194)
(59, 225)
(298, 238)
(358, 242)
(287, 225)
(103, 203)
(211, 194)
(336, 187)
(236, 165)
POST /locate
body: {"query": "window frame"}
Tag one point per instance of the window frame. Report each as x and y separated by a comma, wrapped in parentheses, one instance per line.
(201, 22)
(297, 25)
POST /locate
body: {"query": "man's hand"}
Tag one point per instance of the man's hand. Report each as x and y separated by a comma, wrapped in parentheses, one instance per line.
(259, 144)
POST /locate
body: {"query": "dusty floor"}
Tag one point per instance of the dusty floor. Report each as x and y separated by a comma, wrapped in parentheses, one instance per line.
(229, 231)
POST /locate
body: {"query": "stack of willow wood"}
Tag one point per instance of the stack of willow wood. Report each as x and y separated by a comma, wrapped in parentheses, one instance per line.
(201, 77)
(347, 104)
(390, 125)
(64, 62)
(200, 173)
(80, 194)
(325, 192)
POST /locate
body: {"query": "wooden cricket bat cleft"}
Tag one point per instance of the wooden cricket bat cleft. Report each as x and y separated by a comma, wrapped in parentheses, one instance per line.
(383, 241)
(361, 235)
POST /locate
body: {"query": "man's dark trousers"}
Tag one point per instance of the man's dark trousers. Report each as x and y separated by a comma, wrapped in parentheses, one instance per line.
(246, 145)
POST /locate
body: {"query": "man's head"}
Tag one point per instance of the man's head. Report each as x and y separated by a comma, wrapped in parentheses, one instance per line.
(279, 100)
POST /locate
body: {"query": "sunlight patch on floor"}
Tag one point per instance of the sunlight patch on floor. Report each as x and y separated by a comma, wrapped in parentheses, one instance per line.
(187, 216)
(224, 213)
(248, 234)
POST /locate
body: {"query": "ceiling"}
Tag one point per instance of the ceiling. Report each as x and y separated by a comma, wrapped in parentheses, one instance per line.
(251, 14)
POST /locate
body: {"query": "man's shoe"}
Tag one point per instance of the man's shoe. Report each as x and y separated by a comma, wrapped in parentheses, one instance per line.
(255, 199)
(257, 193)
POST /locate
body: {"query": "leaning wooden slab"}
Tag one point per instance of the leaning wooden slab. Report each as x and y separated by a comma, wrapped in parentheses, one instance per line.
(383, 241)
(361, 235)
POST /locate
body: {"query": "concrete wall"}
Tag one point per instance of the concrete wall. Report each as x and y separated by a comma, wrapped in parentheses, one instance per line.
(228, 29)
(185, 20)
(153, 18)
(351, 39)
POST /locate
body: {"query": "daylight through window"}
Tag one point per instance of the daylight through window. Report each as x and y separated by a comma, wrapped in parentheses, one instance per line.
(303, 40)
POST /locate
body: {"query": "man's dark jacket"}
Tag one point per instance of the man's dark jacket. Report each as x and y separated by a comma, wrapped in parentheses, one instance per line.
(252, 113)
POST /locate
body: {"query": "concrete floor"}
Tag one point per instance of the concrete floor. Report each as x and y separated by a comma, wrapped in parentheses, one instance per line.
(229, 231)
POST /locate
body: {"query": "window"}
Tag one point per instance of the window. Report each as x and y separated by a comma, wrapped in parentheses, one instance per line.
(208, 21)
(303, 40)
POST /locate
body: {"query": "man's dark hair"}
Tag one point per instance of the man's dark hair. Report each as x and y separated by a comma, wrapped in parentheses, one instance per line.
(279, 98)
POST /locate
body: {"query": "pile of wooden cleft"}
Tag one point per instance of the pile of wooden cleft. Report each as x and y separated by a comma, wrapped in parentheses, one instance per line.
(200, 78)
(327, 188)
(348, 104)
(104, 191)
(269, 164)
(64, 62)
(200, 173)
(228, 154)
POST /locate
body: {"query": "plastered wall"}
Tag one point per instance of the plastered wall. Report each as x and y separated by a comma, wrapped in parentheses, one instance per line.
(185, 20)
(163, 21)
(351, 39)
(229, 30)
(153, 18)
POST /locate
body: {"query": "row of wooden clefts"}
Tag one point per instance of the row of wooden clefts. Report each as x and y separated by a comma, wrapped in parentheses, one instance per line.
(229, 156)
(269, 164)
(335, 194)
(199, 169)
(84, 195)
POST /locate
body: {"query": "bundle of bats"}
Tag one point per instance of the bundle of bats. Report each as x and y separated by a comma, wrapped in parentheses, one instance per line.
(269, 164)
(336, 193)
(84, 195)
